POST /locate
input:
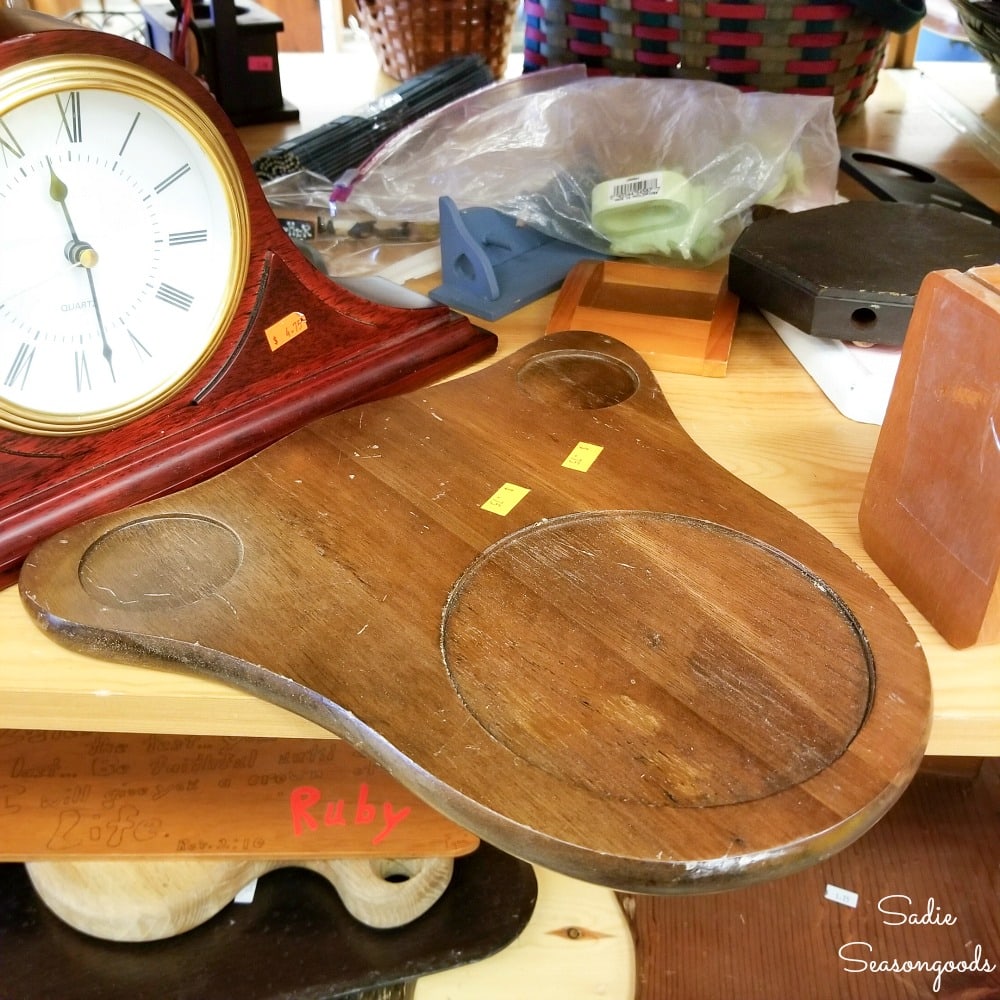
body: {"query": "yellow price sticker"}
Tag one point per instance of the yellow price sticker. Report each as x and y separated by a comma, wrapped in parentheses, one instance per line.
(287, 328)
(582, 457)
(505, 499)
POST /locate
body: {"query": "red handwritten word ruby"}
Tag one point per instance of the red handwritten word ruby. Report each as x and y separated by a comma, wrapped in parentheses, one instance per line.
(335, 812)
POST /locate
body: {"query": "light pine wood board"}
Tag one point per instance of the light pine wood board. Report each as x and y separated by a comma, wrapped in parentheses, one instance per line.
(577, 946)
(73, 795)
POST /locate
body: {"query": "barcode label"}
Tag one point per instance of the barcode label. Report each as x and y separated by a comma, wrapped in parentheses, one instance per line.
(634, 188)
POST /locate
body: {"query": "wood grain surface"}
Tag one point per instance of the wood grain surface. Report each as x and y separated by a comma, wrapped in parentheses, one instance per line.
(578, 945)
(908, 911)
(92, 796)
(766, 422)
(680, 319)
(930, 514)
(638, 671)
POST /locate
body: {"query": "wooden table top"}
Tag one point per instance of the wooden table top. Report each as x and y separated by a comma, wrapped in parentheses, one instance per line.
(766, 422)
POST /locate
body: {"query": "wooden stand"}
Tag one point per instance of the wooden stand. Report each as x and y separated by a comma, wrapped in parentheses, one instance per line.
(679, 319)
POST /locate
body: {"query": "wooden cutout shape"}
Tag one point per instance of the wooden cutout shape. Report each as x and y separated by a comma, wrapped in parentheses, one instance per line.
(150, 900)
(296, 940)
(680, 319)
(930, 513)
(539, 605)
(98, 796)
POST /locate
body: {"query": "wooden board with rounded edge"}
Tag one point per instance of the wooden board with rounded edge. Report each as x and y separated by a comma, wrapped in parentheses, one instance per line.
(930, 513)
(534, 600)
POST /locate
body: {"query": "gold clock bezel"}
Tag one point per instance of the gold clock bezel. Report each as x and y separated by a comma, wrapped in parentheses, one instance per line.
(48, 75)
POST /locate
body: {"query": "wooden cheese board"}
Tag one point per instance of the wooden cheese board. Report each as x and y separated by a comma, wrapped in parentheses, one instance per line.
(539, 605)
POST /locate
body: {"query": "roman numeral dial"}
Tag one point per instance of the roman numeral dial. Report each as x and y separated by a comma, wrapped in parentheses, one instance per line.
(71, 123)
(123, 246)
(10, 148)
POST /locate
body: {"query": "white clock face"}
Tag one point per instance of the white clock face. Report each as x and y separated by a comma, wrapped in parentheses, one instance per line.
(122, 244)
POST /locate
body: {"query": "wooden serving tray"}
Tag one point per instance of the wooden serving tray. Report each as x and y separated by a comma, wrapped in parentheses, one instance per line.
(122, 795)
(539, 605)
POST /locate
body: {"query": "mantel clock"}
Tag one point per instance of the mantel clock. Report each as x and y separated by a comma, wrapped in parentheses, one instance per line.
(156, 324)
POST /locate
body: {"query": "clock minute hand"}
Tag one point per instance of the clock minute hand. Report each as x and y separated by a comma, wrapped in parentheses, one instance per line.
(79, 252)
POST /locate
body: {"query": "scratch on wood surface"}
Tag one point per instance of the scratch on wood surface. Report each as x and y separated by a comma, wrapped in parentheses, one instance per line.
(108, 590)
(228, 604)
(455, 735)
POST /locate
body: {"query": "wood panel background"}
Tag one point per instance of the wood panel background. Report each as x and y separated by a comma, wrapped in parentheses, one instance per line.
(938, 846)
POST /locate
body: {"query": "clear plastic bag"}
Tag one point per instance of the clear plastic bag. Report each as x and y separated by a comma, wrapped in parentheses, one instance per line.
(539, 154)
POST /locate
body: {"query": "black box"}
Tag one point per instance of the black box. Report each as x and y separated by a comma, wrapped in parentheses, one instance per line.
(243, 73)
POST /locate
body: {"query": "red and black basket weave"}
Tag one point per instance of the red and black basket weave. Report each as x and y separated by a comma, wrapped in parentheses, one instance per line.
(804, 47)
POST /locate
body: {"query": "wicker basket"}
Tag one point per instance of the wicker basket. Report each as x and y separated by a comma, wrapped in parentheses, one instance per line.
(804, 47)
(981, 20)
(410, 36)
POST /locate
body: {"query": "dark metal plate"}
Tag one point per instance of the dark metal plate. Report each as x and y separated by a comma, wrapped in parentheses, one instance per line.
(852, 271)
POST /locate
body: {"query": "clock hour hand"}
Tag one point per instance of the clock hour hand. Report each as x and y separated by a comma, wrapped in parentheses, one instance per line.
(80, 252)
